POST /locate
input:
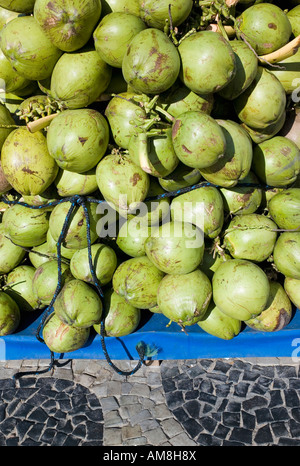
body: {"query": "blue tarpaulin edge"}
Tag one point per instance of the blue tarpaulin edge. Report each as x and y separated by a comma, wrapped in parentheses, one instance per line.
(170, 341)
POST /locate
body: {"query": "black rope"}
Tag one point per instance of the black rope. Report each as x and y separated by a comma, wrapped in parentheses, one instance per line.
(53, 362)
(59, 278)
(187, 189)
(81, 201)
(141, 347)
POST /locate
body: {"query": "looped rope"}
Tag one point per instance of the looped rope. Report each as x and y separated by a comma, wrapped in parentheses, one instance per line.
(77, 200)
(80, 201)
(53, 362)
(141, 353)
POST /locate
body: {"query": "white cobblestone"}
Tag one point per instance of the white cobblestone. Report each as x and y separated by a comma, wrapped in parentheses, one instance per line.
(112, 437)
(130, 432)
(100, 389)
(182, 440)
(113, 419)
(161, 411)
(109, 403)
(140, 389)
(171, 427)
(156, 436)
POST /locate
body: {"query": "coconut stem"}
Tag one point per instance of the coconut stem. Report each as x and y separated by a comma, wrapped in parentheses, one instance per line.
(231, 3)
(284, 52)
(41, 123)
(168, 116)
(230, 31)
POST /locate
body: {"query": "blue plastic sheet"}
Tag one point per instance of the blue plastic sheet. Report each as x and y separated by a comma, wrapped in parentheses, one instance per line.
(171, 342)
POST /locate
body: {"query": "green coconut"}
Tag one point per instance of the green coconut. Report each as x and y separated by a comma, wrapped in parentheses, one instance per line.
(77, 139)
(151, 64)
(78, 305)
(71, 183)
(263, 102)
(240, 289)
(26, 162)
(289, 72)
(20, 6)
(218, 324)
(113, 35)
(76, 233)
(154, 153)
(198, 139)
(10, 315)
(265, 26)
(284, 208)
(277, 313)
(276, 162)
(104, 261)
(6, 119)
(179, 99)
(286, 254)
(184, 298)
(10, 80)
(19, 287)
(246, 64)
(68, 24)
(45, 281)
(121, 318)
(137, 280)
(292, 288)
(123, 113)
(207, 62)
(237, 160)
(28, 48)
(202, 207)
(11, 255)
(132, 237)
(79, 78)
(122, 183)
(26, 227)
(176, 247)
(154, 208)
(243, 199)
(251, 237)
(182, 177)
(63, 338)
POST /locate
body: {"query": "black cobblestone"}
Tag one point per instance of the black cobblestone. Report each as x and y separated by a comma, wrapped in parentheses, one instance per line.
(193, 408)
(248, 420)
(191, 394)
(295, 412)
(263, 415)
(231, 419)
(291, 398)
(241, 434)
(241, 389)
(294, 428)
(192, 427)
(279, 429)
(275, 398)
(222, 389)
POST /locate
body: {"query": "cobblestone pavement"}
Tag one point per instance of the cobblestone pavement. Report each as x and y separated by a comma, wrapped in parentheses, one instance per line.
(175, 403)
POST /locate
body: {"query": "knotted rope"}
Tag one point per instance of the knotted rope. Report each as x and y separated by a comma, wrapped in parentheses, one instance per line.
(76, 200)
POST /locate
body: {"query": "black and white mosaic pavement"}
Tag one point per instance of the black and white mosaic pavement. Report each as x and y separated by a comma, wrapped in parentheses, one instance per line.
(49, 411)
(220, 403)
(205, 402)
